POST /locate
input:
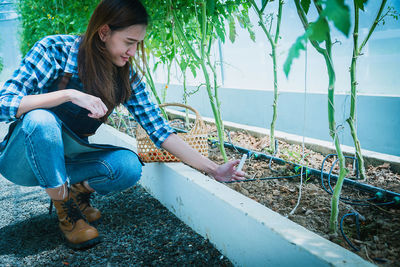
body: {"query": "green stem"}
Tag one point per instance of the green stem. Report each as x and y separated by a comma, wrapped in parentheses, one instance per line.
(218, 121)
(150, 82)
(201, 60)
(164, 91)
(333, 223)
(332, 129)
(373, 26)
(185, 98)
(353, 73)
(218, 117)
(273, 42)
(304, 21)
(122, 120)
(182, 36)
(353, 82)
(213, 99)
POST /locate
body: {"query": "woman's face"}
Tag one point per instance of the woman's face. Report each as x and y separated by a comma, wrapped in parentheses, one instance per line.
(122, 44)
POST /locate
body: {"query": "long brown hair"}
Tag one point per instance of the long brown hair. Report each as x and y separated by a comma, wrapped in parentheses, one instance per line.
(99, 76)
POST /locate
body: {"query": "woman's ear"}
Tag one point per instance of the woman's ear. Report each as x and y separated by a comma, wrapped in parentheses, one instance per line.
(104, 32)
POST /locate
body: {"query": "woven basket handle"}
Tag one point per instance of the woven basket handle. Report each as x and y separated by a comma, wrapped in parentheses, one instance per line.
(199, 120)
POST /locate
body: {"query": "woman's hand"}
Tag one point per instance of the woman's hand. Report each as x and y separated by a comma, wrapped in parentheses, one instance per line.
(227, 172)
(93, 104)
(222, 173)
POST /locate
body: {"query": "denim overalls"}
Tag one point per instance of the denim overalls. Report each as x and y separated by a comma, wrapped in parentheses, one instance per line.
(73, 116)
(48, 147)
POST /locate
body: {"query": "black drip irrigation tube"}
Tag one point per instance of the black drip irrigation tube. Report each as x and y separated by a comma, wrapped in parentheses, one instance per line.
(379, 193)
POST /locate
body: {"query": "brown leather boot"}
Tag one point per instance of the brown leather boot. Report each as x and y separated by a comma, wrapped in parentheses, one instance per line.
(78, 233)
(82, 198)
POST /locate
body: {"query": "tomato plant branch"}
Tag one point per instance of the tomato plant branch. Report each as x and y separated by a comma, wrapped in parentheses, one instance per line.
(353, 80)
(273, 42)
(333, 224)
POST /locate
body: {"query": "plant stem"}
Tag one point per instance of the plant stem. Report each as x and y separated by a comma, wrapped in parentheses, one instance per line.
(213, 99)
(353, 73)
(273, 43)
(201, 60)
(326, 53)
(150, 82)
(164, 90)
(332, 130)
(185, 98)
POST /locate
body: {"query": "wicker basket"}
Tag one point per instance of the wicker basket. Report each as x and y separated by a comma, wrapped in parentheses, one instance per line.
(196, 138)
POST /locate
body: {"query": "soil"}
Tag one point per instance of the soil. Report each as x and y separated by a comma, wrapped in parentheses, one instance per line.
(379, 224)
(378, 241)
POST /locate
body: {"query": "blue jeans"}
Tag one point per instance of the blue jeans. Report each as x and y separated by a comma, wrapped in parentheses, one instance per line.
(36, 145)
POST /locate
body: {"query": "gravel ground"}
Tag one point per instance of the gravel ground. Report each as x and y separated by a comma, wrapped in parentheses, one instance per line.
(136, 231)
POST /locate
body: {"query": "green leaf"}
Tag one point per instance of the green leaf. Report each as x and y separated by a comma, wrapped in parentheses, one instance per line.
(245, 23)
(360, 4)
(294, 52)
(339, 13)
(210, 7)
(193, 69)
(220, 33)
(319, 30)
(183, 65)
(232, 29)
(305, 4)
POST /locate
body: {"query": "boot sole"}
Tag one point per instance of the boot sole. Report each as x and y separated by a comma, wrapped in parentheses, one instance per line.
(95, 222)
(85, 245)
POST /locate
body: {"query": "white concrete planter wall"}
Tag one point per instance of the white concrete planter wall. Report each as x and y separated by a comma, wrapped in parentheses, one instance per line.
(246, 232)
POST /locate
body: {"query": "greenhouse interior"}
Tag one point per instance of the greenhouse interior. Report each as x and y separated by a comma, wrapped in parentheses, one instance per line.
(251, 133)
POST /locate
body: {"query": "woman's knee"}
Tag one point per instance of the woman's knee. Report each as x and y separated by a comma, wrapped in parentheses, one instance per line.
(129, 167)
(42, 122)
(123, 170)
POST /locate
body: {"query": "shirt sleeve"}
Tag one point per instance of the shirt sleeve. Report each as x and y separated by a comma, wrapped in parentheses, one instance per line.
(33, 73)
(148, 114)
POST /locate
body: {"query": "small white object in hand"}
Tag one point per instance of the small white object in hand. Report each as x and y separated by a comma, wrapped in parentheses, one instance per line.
(240, 166)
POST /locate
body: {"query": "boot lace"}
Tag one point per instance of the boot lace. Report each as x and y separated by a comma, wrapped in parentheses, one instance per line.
(84, 198)
(72, 210)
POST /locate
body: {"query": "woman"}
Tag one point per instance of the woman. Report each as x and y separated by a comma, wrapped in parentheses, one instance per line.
(71, 84)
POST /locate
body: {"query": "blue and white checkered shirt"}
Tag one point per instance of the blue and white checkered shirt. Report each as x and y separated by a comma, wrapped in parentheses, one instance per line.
(48, 60)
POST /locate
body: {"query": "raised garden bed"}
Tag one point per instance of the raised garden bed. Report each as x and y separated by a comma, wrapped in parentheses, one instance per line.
(242, 229)
(136, 230)
(379, 223)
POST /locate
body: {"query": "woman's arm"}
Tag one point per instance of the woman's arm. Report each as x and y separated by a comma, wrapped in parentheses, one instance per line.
(226, 172)
(48, 100)
(148, 115)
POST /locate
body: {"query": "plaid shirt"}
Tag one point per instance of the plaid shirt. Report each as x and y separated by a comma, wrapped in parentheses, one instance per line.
(48, 60)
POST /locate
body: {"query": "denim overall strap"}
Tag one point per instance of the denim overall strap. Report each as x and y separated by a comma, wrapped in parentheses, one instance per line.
(73, 116)
(75, 141)
(64, 81)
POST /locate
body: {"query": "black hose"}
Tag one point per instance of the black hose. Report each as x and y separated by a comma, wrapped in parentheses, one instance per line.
(345, 199)
(364, 187)
(263, 178)
(358, 229)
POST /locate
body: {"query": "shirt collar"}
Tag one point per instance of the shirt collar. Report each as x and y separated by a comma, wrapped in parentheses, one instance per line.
(72, 61)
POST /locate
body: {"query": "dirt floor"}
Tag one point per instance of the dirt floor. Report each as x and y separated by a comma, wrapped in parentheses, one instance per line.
(377, 222)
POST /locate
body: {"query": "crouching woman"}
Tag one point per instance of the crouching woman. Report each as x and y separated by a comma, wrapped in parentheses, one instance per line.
(66, 87)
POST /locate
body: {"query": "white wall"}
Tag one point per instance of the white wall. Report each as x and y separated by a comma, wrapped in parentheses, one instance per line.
(247, 65)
